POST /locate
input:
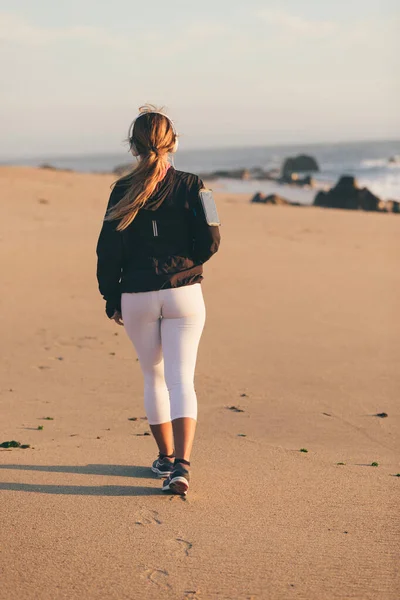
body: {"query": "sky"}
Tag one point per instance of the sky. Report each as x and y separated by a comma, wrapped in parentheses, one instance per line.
(229, 73)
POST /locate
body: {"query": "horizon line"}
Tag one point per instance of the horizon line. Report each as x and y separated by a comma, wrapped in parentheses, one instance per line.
(56, 156)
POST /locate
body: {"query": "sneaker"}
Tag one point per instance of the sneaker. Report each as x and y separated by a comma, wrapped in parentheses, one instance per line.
(178, 480)
(162, 467)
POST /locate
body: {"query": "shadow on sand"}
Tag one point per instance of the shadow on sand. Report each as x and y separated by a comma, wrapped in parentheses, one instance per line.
(85, 490)
(117, 470)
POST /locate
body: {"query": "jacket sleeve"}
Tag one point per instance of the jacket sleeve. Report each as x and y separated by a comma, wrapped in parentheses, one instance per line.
(206, 238)
(109, 252)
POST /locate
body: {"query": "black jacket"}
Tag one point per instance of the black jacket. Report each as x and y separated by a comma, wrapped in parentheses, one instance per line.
(164, 247)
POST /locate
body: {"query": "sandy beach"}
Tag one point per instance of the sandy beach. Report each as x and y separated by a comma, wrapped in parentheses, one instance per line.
(302, 335)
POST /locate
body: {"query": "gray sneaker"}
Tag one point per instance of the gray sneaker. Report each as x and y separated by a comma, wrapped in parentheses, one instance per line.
(162, 466)
(178, 480)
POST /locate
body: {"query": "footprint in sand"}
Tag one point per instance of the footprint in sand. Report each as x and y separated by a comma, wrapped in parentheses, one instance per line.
(179, 547)
(159, 577)
(148, 517)
(185, 545)
(79, 342)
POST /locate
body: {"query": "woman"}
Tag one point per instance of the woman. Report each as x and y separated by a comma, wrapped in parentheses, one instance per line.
(151, 249)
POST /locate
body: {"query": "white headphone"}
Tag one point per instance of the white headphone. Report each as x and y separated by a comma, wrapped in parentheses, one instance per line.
(134, 150)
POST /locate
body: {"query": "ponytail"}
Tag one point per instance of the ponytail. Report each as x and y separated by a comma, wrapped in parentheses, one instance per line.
(154, 137)
(142, 183)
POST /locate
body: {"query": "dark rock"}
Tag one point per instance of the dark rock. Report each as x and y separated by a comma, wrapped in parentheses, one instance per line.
(298, 164)
(261, 198)
(308, 180)
(321, 199)
(368, 201)
(47, 166)
(347, 195)
(391, 206)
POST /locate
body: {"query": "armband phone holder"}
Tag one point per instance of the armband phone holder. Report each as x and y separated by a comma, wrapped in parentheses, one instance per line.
(209, 207)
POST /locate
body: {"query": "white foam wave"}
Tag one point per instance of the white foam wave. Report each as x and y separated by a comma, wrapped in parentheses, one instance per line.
(376, 162)
(383, 163)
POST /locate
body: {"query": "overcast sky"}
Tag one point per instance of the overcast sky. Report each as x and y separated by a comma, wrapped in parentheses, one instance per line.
(230, 72)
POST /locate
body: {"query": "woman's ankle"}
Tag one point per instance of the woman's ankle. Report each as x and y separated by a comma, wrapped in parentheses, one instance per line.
(162, 456)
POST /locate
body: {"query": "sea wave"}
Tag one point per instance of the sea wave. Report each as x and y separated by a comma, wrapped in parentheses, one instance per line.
(375, 162)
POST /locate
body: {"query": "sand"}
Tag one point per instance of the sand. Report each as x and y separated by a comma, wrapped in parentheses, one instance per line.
(302, 334)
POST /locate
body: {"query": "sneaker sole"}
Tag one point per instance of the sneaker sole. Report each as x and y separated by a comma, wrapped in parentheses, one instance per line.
(161, 474)
(177, 485)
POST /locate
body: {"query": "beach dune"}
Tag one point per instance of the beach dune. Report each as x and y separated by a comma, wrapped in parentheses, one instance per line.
(302, 335)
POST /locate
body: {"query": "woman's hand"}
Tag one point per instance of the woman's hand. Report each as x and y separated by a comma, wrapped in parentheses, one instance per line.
(117, 317)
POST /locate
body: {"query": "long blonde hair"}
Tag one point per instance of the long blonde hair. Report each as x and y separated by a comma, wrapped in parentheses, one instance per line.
(154, 138)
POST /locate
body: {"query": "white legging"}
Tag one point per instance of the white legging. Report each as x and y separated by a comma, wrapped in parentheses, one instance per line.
(165, 328)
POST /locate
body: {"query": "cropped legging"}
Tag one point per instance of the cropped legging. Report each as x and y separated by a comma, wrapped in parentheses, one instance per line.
(165, 327)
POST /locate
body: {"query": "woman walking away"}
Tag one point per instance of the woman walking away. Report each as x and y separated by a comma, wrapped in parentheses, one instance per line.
(159, 229)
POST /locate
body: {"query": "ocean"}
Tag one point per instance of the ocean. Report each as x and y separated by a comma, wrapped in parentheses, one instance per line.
(367, 161)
